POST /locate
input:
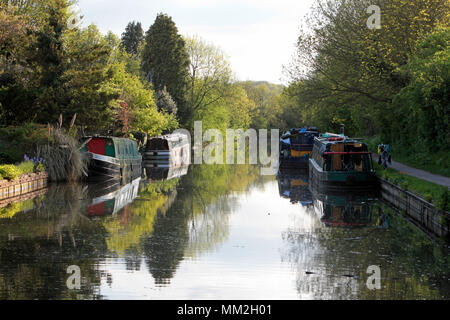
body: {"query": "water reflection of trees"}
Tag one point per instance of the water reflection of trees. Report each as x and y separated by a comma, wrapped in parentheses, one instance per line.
(198, 221)
(331, 262)
(37, 246)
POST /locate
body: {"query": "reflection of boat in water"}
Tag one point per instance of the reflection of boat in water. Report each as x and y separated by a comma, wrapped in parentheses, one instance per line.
(112, 159)
(167, 157)
(340, 162)
(173, 150)
(344, 209)
(294, 186)
(296, 147)
(114, 201)
(166, 173)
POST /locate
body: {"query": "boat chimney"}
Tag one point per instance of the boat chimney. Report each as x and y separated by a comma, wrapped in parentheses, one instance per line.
(343, 129)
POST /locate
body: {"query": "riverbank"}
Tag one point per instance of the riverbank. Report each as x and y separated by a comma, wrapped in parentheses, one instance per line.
(431, 192)
(24, 184)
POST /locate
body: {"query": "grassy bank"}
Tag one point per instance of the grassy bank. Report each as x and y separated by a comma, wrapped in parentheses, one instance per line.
(431, 192)
(437, 162)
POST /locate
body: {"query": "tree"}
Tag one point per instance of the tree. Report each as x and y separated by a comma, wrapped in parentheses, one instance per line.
(166, 103)
(166, 62)
(210, 72)
(351, 73)
(132, 37)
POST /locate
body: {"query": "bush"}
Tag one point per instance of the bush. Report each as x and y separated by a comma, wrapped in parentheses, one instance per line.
(26, 167)
(9, 172)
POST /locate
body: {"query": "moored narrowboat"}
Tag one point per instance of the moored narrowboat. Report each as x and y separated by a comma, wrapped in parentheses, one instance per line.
(173, 150)
(115, 159)
(296, 147)
(340, 162)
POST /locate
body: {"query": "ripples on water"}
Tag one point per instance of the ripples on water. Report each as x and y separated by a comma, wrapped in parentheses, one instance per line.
(217, 232)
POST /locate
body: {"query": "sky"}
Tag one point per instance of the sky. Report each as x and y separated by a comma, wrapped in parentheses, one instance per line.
(258, 36)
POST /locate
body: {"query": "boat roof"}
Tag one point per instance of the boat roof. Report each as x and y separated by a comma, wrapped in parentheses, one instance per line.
(172, 137)
(109, 137)
(332, 138)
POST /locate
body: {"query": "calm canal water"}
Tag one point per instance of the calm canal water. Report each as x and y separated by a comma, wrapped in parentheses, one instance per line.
(214, 232)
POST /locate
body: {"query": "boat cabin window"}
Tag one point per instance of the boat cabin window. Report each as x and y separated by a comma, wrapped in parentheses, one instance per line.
(353, 158)
(158, 144)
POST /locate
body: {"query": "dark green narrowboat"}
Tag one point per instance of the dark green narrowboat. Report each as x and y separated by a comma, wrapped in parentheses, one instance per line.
(111, 158)
(341, 162)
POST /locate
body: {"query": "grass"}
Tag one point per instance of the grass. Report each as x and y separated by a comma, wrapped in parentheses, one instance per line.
(435, 162)
(61, 154)
(429, 191)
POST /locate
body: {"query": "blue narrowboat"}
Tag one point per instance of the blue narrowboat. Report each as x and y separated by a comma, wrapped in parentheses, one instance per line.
(296, 147)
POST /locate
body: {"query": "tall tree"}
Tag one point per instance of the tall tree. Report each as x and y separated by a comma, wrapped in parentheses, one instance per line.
(132, 37)
(166, 63)
(210, 72)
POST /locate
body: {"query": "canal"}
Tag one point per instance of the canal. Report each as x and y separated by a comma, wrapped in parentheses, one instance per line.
(214, 232)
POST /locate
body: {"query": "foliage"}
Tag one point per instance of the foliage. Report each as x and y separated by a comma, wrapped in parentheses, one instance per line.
(267, 112)
(26, 167)
(391, 82)
(48, 68)
(9, 172)
(132, 37)
(165, 102)
(61, 155)
(165, 63)
(209, 73)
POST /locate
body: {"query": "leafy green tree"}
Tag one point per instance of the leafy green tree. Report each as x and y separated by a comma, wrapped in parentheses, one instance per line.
(209, 71)
(132, 37)
(166, 62)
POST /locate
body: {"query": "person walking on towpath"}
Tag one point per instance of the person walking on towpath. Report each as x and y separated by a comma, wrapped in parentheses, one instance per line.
(384, 152)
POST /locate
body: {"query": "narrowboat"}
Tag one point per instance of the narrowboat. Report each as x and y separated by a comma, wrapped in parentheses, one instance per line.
(173, 150)
(296, 147)
(340, 162)
(112, 159)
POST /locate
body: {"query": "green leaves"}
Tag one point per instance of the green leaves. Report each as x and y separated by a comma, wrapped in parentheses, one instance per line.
(165, 63)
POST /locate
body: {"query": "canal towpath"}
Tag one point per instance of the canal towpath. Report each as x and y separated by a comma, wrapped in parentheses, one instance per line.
(418, 173)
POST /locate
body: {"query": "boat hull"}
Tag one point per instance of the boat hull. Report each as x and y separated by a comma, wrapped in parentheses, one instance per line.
(341, 179)
(103, 168)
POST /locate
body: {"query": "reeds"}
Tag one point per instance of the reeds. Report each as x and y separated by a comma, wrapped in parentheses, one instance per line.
(62, 156)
